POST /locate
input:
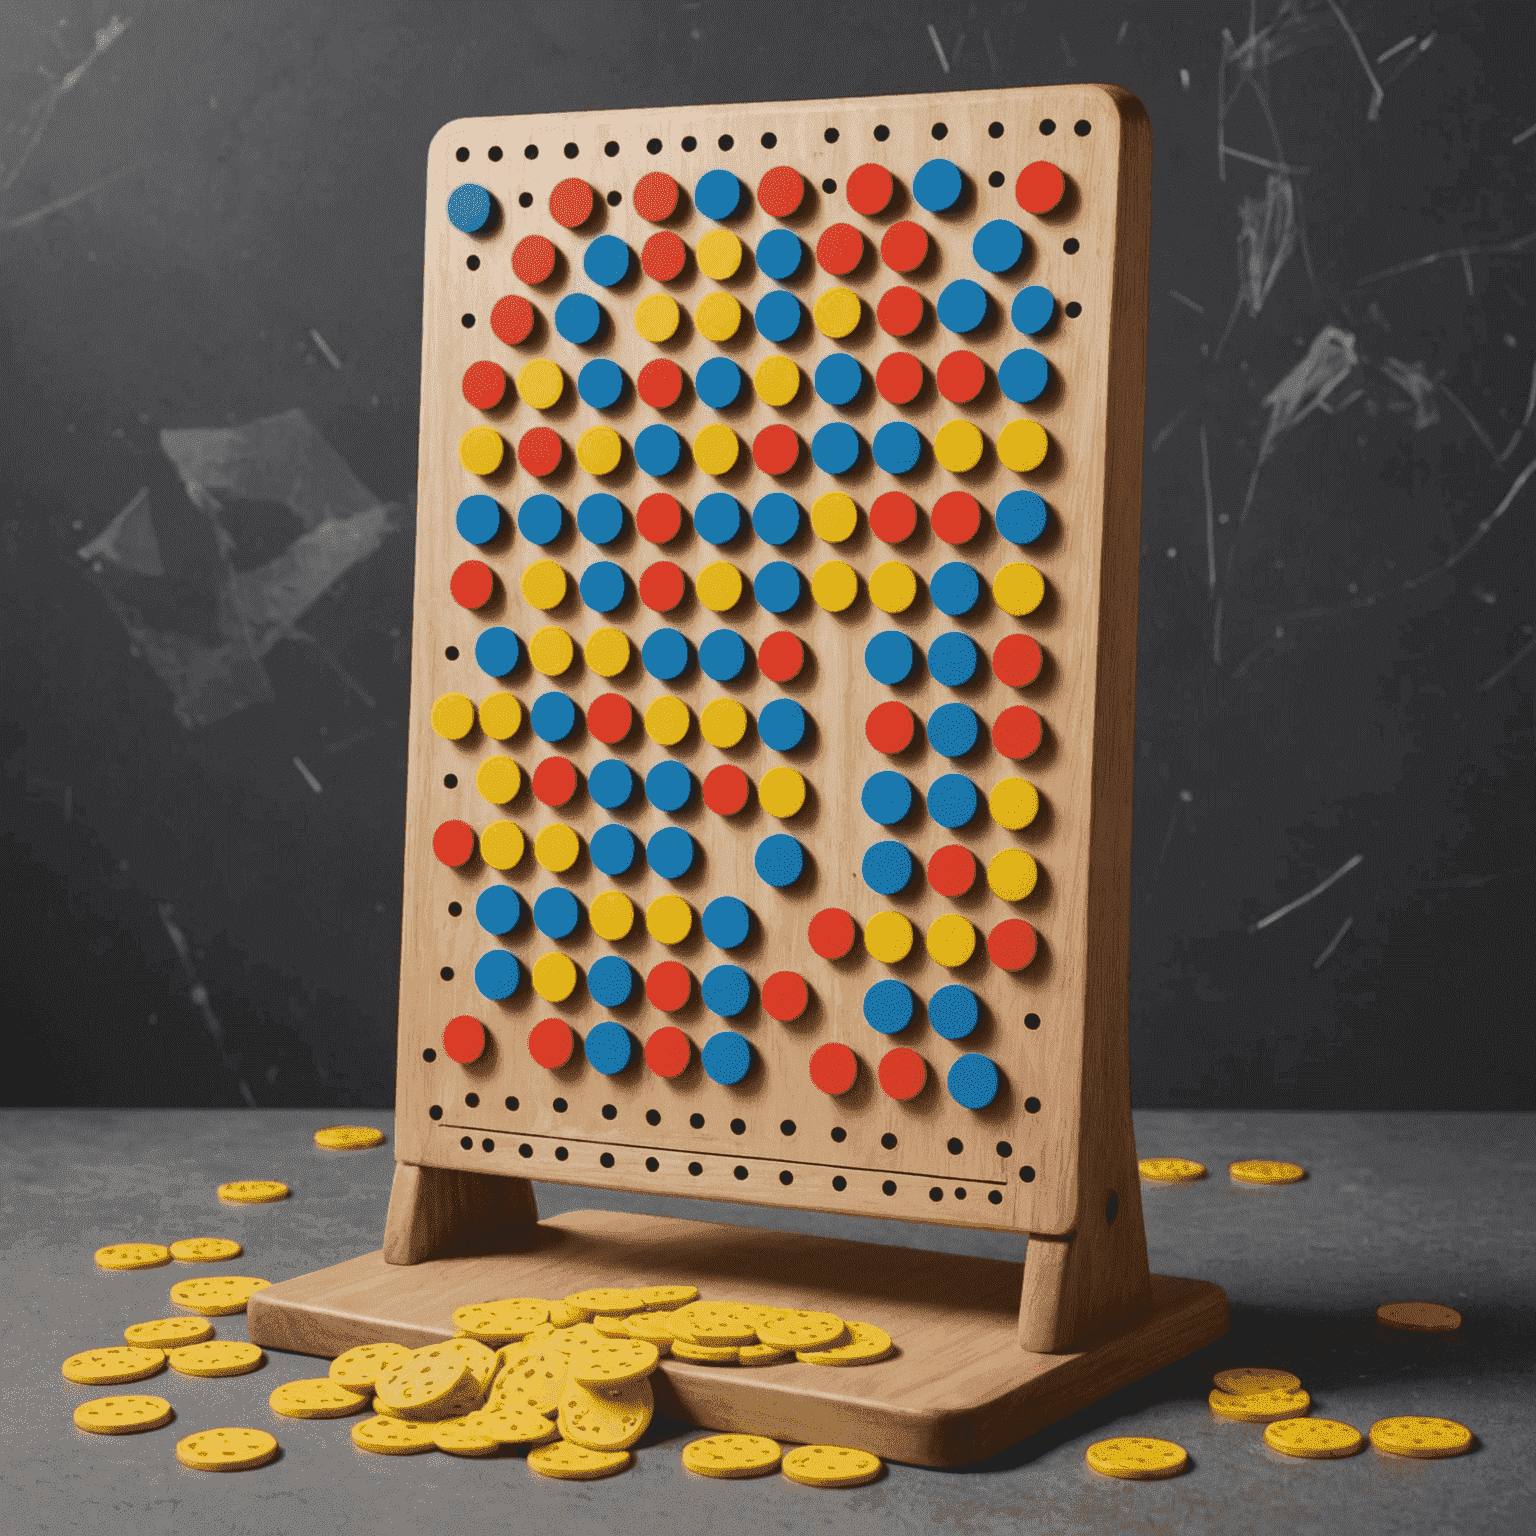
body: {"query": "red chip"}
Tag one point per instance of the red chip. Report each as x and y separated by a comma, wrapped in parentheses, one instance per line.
(869, 189)
(890, 727)
(663, 256)
(781, 191)
(484, 385)
(570, 204)
(1017, 660)
(668, 986)
(662, 585)
(832, 933)
(550, 1043)
(726, 789)
(554, 780)
(538, 451)
(900, 311)
(781, 656)
(655, 197)
(609, 718)
(1017, 731)
(464, 1039)
(956, 517)
(839, 249)
(668, 1051)
(893, 516)
(785, 995)
(961, 376)
(903, 1073)
(904, 246)
(834, 1068)
(472, 584)
(952, 870)
(533, 258)
(899, 378)
(1040, 187)
(454, 843)
(775, 449)
(512, 319)
(660, 383)
(1011, 944)
(659, 517)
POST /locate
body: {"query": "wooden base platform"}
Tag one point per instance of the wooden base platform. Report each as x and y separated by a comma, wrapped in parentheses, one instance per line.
(959, 1389)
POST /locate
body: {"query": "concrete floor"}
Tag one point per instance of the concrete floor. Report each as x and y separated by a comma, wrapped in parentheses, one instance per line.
(1400, 1206)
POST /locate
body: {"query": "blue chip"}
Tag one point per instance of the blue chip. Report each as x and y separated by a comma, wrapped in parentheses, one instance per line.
(889, 656)
(609, 1048)
(612, 849)
(887, 867)
(600, 518)
(889, 1006)
(600, 383)
(718, 383)
(668, 786)
(610, 783)
(497, 651)
(781, 724)
(953, 729)
(835, 448)
(1032, 309)
(777, 315)
(779, 860)
(1021, 516)
(478, 519)
(952, 800)
(973, 1080)
(722, 655)
(540, 519)
(606, 261)
(1023, 375)
(839, 378)
(665, 654)
(670, 853)
(775, 518)
(498, 909)
(937, 185)
(953, 658)
(726, 1057)
(955, 588)
(610, 981)
(886, 797)
(726, 990)
(497, 974)
(578, 318)
(469, 208)
(556, 913)
(954, 1011)
(717, 194)
(898, 446)
(779, 253)
(777, 586)
(997, 245)
(553, 716)
(602, 586)
(962, 305)
(727, 922)
(658, 449)
(717, 517)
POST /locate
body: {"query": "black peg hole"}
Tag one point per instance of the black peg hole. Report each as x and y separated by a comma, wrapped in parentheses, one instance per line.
(696, 1121)
(830, 135)
(610, 1112)
(1047, 127)
(786, 1177)
(436, 1112)
(1074, 309)
(525, 199)
(787, 1127)
(941, 130)
(429, 1054)
(690, 144)
(994, 1197)
(889, 1187)
(768, 140)
(996, 179)
(561, 1153)
(1082, 127)
(839, 1183)
(726, 141)
(960, 1193)
(452, 653)
(651, 1165)
(738, 1127)
(511, 1103)
(559, 1106)
(1026, 1174)
(472, 262)
(467, 1142)
(1005, 1149)
(494, 152)
(1032, 1106)
(739, 1171)
(571, 151)
(472, 1100)
(523, 1151)
(695, 1169)
(994, 130)
(1070, 245)
(606, 1159)
(653, 1117)
(935, 1194)
(611, 148)
(882, 133)
(446, 973)
(450, 781)
(829, 185)
(653, 146)
(839, 1134)
(530, 152)
(461, 154)
(956, 1146)
(490, 1146)
(455, 910)
(1031, 1021)
(615, 198)
(888, 1141)
(467, 321)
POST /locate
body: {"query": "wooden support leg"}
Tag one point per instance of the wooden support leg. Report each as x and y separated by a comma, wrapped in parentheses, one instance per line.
(435, 1212)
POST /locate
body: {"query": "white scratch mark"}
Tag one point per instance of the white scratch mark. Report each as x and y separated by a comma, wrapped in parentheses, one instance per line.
(1418, 386)
(1125, 27)
(938, 47)
(1312, 895)
(60, 203)
(1466, 270)
(957, 50)
(198, 993)
(1265, 239)
(1428, 42)
(1269, 165)
(325, 349)
(1508, 667)
(1523, 135)
(1397, 48)
(1481, 531)
(1525, 421)
(1185, 300)
(1515, 247)
(1333, 944)
(1329, 361)
(1377, 94)
(309, 778)
(1210, 519)
(1184, 78)
(986, 42)
(1471, 420)
(1168, 431)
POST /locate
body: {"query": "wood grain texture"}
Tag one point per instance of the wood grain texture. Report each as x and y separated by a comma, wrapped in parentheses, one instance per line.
(439, 1211)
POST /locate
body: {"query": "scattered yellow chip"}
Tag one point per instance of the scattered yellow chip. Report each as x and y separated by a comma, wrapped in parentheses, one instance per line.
(613, 1327)
(1260, 1407)
(716, 447)
(226, 1450)
(133, 1256)
(888, 937)
(501, 844)
(612, 915)
(867, 1345)
(543, 585)
(723, 723)
(834, 585)
(610, 1299)
(957, 445)
(362, 1365)
(776, 380)
(951, 939)
(1018, 588)
(804, 1330)
(350, 1138)
(719, 586)
(218, 1295)
(540, 383)
(669, 920)
(453, 716)
(1244, 1380)
(556, 847)
(210, 1250)
(609, 1418)
(481, 450)
(1021, 445)
(732, 1456)
(253, 1191)
(1264, 1171)
(666, 720)
(115, 1363)
(460, 1436)
(707, 1354)
(575, 1463)
(1419, 1316)
(1137, 1458)
(1171, 1170)
(713, 1326)
(1424, 1439)
(613, 1361)
(781, 791)
(554, 978)
(607, 651)
(563, 1314)
(837, 313)
(1313, 1439)
(831, 1466)
(500, 715)
(316, 1398)
(892, 586)
(532, 1377)
(1012, 874)
(122, 1415)
(651, 1327)
(657, 317)
(550, 650)
(498, 779)
(168, 1333)
(550, 1337)
(718, 254)
(392, 1437)
(718, 317)
(599, 449)
(218, 1357)
(429, 1388)
(834, 516)
(1014, 803)
(762, 1354)
(512, 1424)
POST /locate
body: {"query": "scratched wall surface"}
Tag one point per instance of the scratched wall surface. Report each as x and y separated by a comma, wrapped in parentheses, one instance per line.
(210, 219)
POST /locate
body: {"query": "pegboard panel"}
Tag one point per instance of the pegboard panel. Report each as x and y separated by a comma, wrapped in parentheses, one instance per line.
(772, 687)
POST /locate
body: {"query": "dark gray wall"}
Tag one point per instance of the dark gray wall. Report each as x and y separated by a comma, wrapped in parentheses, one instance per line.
(213, 216)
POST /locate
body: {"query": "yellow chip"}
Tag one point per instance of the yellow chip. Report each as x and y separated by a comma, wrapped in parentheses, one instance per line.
(168, 1333)
(512, 1424)
(616, 1360)
(133, 1256)
(716, 447)
(719, 586)
(599, 449)
(498, 779)
(613, 1300)
(657, 317)
(500, 715)
(206, 1250)
(666, 720)
(607, 651)
(732, 1456)
(530, 1377)
(606, 1418)
(707, 1354)
(575, 1463)
(1419, 1316)
(723, 723)
(1014, 803)
(226, 1450)
(556, 847)
(550, 650)
(122, 1415)
(562, 1314)
(834, 516)
(462, 1437)
(951, 939)
(718, 254)
(361, 1366)
(797, 1329)
(318, 1397)
(1313, 1439)
(1171, 1170)
(835, 585)
(1243, 1380)
(430, 1387)
(1021, 445)
(1421, 1438)
(892, 586)
(481, 450)
(540, 383)
(776, 380)
(613, 1327)
(612, 915)
(253, 1191)
(554, 977)
(106, 1367)
(453, 716)
(501, 844)
(1260, 1407)
(218, 1295)
(218, 1357)
(1137, 1458)
(1012, 874)
(957, 445)
(831, 1466)
(781, 791)
(543, 585)
(1018, 588)
(669, 919)
(888, 937)
(718, 317)
(867, 1345)
(652, 1327)
(762, 1354)
(837, 313)
(349, 1138)
(1264, 1171)
(392, 1437)
(480, 1358)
